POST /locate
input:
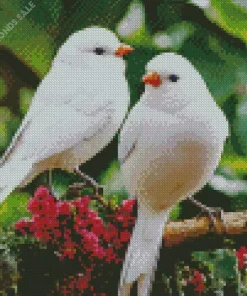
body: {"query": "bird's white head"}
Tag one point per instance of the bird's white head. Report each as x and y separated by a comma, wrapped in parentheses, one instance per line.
(172, 82)
(93, 46)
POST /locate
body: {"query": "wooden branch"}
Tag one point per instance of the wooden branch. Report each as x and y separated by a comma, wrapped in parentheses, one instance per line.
(191, 230)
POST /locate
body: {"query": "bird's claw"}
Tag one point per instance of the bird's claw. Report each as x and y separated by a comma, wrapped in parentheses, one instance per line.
(89, 183)
(77, 186)
(213, 213)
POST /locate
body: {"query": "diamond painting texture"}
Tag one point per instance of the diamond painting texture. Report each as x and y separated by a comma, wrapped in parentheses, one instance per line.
(123, 147)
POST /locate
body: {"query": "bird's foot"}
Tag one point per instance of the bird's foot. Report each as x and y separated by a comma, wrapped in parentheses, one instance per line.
(49, 185)
(52, 191)
(213, 213)
(89, 182)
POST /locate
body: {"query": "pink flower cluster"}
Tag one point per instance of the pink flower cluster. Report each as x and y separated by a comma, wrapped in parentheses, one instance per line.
(241, 255)
(76, 232)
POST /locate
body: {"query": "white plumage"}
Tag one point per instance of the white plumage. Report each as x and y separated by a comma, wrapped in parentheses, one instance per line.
(169, 147)
(76, 111)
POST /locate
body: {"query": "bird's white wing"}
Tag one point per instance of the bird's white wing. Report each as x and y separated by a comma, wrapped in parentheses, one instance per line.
(55, 129)
(130, 133)
(13, 143)
(49, 98)
(44, 96)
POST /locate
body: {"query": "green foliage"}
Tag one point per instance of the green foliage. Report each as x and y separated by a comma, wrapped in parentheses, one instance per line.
(28, 40)
(231, 16)
(13, 208)
(222, 261)
(26, 96)
(3, 88)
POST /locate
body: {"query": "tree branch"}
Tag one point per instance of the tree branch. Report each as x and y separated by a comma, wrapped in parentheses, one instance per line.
(198, 230)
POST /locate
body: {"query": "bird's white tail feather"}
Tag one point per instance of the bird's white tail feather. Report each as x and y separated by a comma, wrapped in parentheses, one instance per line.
(12, 173)
(143, 251)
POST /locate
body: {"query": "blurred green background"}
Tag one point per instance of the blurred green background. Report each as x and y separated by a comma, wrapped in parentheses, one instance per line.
(210, 33)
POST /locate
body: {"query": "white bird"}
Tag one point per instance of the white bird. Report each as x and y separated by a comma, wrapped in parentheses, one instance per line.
(76, 111)
(170, 145)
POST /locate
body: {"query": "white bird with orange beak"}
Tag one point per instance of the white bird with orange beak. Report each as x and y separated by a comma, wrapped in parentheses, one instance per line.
(76, 111)
(170, 145)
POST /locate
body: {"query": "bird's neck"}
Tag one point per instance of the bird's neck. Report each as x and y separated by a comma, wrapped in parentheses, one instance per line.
(167, 102)
(101, 81)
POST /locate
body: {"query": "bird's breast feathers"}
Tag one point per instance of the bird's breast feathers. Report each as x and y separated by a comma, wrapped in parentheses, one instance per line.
(183, 152)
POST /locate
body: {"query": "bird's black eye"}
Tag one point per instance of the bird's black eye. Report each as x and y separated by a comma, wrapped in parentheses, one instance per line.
(173, 77)
(99, 50)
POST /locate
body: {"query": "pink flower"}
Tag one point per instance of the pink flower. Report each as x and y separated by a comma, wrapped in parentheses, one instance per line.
(124, 214)
(57, 233)
(63, 208)
(42, 235)
(111, 255)
(81, 204)
(98, 227)
(90, 241)
(82, 282)
(41, 192)
(111, 233)
(80, 225)
(99, 252)
(197, 281)
(128, 205)
(241, 254)
(125, 236)
(24, 226)
(76, 232)
(92, 215)
(45, 222)
(43, 206)
(39, 207)
(68, 249)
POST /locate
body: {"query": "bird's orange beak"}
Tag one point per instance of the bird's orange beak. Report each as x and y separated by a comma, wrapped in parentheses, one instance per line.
(152, 78)
(123, 50)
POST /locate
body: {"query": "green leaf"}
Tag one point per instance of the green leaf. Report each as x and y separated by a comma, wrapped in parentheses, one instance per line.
(113, 183)
(45, 13)
(136, 68)
(175, 212)
(229, 187)
(6, 119)
(3, 88)
(217, 60)
(230, 16)
(14, 208)
(133, 20)
(132, 27)
(160, 14)
(179, 33)
(5, 115)
(88, 13)
(236, 163)
(240, 125)
(223, 262)
(26, 96)
(3, 135)
(174, 36)
(28, 40)
(140, 37)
